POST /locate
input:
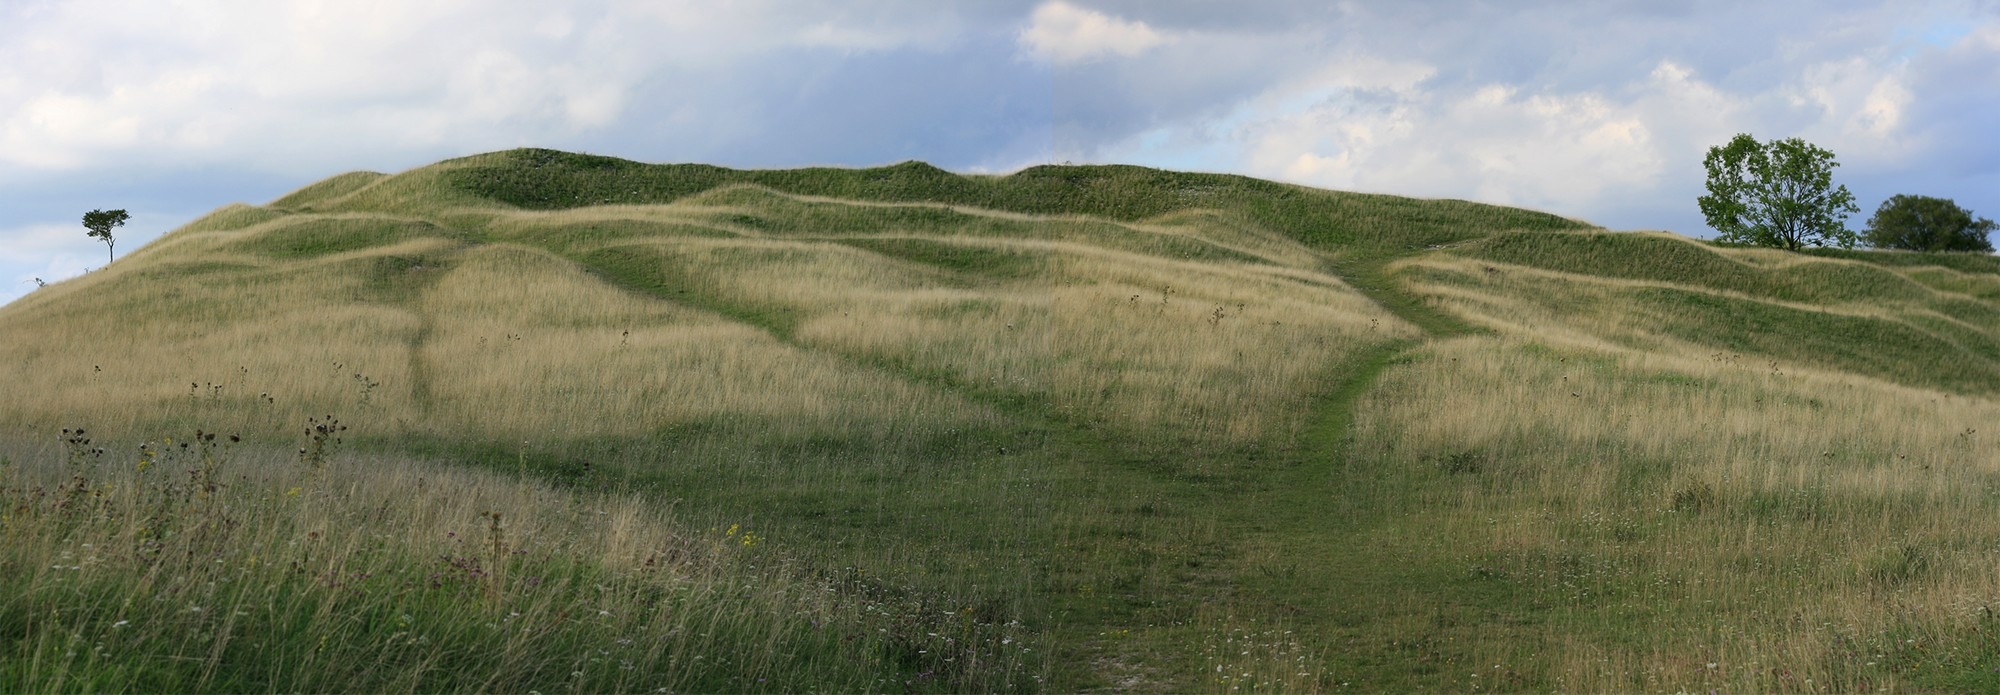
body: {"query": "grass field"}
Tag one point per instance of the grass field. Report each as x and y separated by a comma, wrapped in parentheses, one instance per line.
(1073, 428)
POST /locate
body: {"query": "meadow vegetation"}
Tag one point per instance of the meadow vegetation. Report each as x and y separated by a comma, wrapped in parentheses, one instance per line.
(1070, 428)
(188, 566)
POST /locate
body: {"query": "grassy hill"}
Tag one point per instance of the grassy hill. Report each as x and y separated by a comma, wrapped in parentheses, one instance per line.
(604, 425)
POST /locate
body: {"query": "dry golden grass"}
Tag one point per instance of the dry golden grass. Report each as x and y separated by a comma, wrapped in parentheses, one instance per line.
(1218, 352)
(1702, 519)
(526, 343)
(1899, 330)
(256, 347)
(1982, 286)
(215, 569)
(1068, 329)
(1210, 352)
(1572, 307)
(1235, 233)
(1754, 518)
(1660, 513)
(420, 327)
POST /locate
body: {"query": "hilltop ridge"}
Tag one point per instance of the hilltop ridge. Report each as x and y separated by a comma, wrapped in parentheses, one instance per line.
(1158, 425)
(465, 200)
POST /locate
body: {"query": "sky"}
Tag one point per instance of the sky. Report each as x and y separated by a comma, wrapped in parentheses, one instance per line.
(1598, 110)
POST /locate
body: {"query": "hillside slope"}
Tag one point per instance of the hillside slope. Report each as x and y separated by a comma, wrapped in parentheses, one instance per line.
(1190, 430)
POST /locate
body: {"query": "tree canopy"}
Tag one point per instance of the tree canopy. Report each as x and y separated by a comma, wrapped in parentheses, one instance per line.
(1776, 194)
(1923, 223)
(100, 223)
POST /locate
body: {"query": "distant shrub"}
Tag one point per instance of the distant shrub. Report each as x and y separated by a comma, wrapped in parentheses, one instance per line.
(1923, 223)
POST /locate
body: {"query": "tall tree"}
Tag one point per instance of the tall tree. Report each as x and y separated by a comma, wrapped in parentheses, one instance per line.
(100, 223)
(1777, 194)
(1923, 223)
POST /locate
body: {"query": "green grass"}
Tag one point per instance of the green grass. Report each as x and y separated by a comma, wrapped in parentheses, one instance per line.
(1876, 347)
(198, 571)
(548, 180)
(232, 217)
(1964, 262)
(326, 191)
(961, 258)
(661, 273)
(1073, 428)
(312, 238)
(1903, 319)
(1662, 259)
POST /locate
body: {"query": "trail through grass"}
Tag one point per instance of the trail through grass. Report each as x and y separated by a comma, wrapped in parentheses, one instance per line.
(1152, 431)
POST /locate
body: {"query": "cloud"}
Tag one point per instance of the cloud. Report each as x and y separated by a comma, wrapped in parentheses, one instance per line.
(1601, 110)
(1495, 143)
(299, 87)
(261, 82)
(32, 243)
(42, 253)
(185, 106)
(1370, 123)
(1598, 112)
(1062, 33)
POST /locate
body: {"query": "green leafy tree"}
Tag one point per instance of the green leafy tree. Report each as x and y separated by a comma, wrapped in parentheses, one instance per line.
(100, 223)
(1777, 194)
(1923, 223)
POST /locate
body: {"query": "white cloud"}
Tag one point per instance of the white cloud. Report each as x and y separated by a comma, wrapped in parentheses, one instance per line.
(1601, 110)
(1381, 123)
(32, 243)
(1592, 109)
(1499, 143)
(1578, 151)
(1686, 105)
(1859, 104)
(1062, 33)
(301, 86)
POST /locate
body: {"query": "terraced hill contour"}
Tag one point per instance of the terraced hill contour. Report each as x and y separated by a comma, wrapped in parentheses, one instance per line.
(1190, 430)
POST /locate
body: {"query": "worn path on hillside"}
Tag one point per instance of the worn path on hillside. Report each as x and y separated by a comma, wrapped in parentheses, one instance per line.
(1327, 557)
(1301, 551)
